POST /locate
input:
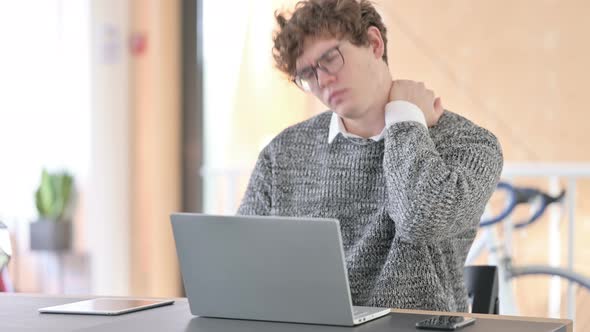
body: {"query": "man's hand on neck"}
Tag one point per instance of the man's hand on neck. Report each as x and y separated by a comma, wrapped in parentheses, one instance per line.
(417, 94)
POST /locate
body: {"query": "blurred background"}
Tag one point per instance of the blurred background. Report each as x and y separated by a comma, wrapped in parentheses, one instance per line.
(157, 106)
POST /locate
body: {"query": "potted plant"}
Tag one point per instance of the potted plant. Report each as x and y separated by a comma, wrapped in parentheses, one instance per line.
(54, 200)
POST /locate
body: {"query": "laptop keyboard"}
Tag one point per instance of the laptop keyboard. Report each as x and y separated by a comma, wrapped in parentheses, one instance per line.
(359, 312)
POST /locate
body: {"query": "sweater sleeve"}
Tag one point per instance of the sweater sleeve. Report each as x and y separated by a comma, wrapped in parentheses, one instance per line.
(440, 179)
(257, 199)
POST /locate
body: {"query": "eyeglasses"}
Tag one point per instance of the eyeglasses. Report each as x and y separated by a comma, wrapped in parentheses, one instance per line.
(330, 62)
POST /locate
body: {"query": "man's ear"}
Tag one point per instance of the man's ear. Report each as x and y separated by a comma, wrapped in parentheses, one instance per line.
(376, 42)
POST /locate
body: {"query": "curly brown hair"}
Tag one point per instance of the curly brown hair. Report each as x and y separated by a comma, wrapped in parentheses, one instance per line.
(348, 19)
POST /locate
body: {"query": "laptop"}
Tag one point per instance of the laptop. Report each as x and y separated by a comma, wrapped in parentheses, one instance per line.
(266, 268)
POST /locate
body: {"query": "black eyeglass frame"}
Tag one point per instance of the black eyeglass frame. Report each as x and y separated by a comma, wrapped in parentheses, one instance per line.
(318, 66)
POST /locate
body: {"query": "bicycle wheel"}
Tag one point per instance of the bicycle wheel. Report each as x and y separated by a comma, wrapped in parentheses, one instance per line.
(577, 278)
(527, 288)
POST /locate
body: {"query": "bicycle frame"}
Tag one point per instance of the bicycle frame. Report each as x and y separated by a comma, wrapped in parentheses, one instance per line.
(500, 254)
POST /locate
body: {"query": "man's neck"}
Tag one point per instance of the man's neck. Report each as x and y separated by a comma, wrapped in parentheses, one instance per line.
(368, 126)
(372, 122)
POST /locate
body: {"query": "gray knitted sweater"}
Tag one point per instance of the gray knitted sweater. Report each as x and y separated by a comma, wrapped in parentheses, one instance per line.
(408, 205)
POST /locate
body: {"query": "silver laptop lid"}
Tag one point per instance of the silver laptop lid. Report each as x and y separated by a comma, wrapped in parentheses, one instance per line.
(263, 268)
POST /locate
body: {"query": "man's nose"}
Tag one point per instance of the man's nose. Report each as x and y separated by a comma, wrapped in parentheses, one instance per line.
(325, 79)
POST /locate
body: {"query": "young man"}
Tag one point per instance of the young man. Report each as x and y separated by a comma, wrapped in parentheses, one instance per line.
(407, 180)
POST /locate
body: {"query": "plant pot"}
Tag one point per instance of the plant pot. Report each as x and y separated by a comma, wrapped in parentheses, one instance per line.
(50, 235)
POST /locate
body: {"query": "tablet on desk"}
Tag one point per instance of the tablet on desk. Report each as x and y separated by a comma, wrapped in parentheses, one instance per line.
(105, 306)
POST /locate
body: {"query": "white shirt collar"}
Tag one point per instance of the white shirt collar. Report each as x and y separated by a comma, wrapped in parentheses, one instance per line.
(337, 127)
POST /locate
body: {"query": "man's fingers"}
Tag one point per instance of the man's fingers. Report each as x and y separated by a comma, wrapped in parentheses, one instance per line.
(438, 108)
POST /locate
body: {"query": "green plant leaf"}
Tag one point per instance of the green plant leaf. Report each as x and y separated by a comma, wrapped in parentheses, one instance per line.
(54, 195)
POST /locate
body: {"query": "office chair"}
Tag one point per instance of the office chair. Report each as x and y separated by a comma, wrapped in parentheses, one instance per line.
(482, 286)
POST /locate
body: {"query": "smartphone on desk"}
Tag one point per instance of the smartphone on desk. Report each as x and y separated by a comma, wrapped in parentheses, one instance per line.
(445, 323)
